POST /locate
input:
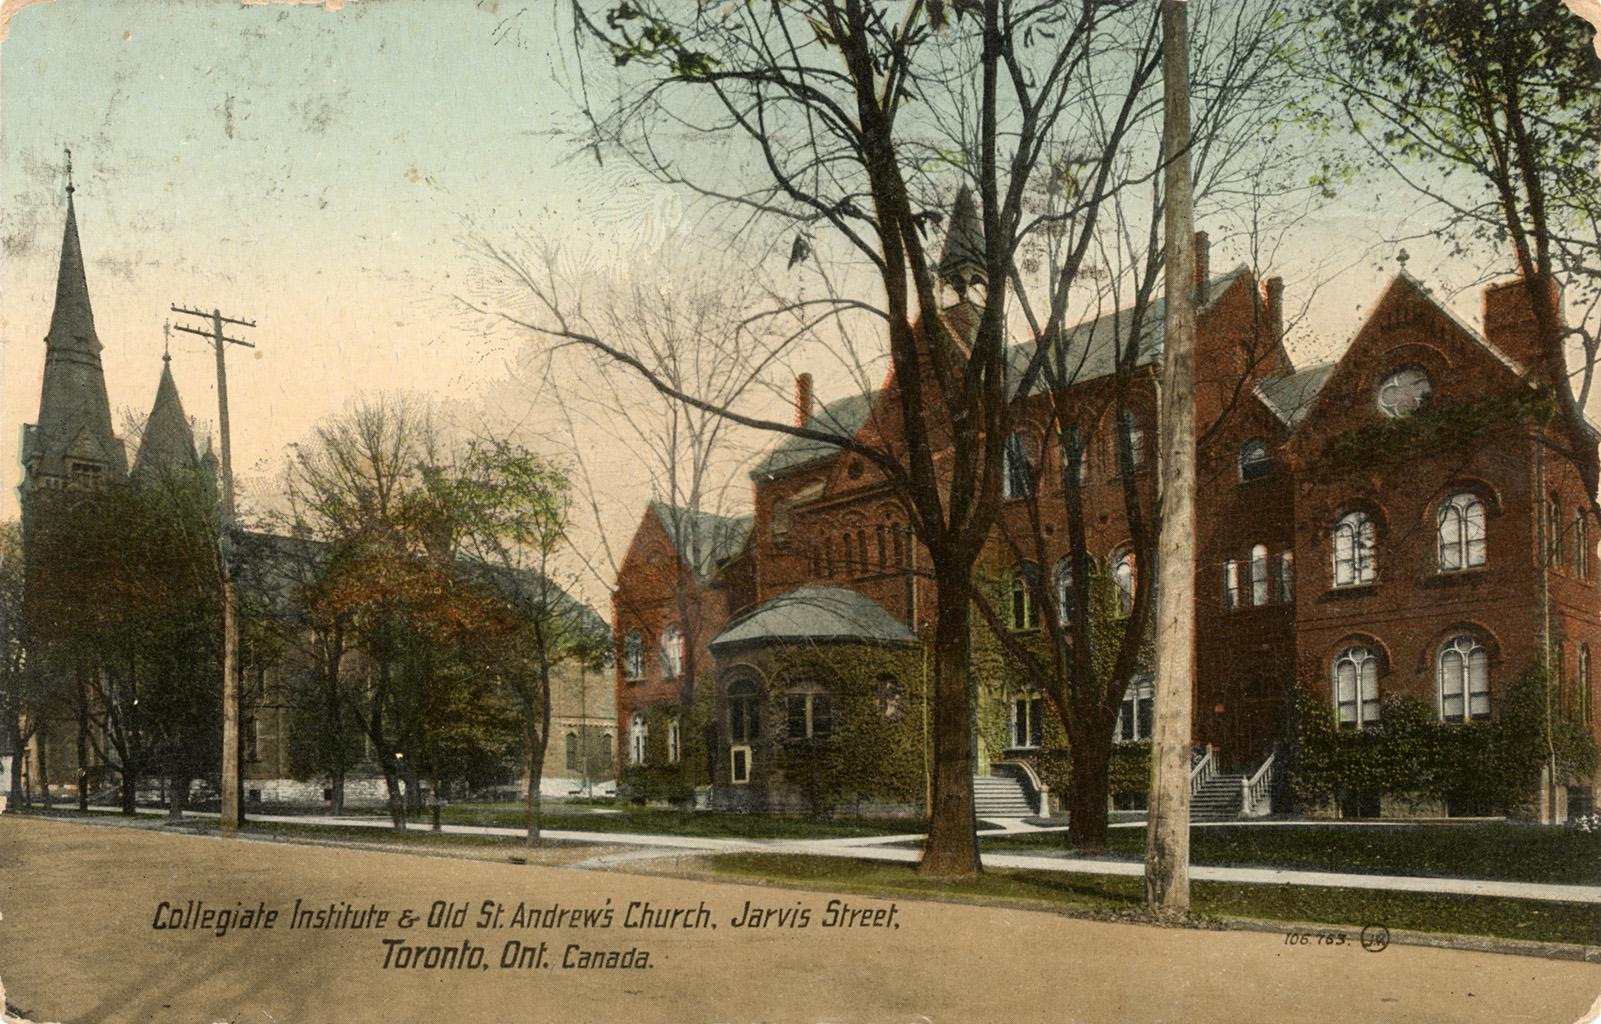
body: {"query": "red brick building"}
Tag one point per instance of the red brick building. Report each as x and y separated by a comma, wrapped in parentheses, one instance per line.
(1339, 547)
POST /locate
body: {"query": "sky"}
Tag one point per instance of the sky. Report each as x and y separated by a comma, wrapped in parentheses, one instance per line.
(325, 172)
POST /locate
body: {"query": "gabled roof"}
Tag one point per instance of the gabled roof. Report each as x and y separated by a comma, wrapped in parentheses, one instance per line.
(843, 416)
(815, 615)
(1289, 397)
(168, 444)
(1091, 348)
(704, 541)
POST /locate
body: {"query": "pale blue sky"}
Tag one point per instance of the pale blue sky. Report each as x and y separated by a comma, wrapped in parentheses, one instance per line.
(318, 171)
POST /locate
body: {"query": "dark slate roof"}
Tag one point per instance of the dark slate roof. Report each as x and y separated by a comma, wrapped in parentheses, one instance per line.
(1289, 397)
(1092, 347)
(168, 443)
(964, 241)
(704, 540)
(842, 416)
(815, 615)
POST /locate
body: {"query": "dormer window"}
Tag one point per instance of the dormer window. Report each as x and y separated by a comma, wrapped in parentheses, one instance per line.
(1404, 392)
(86, 470)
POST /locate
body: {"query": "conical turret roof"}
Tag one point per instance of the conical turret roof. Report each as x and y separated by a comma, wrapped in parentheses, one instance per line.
(168, 444)
(963, 258)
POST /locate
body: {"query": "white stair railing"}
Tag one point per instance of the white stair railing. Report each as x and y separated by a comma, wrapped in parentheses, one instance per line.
(1202, 771)
(1256, 792)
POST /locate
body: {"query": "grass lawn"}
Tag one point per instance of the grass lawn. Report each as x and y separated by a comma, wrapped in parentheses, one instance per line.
(1499, 850)
(1101, 895)
(652, 821)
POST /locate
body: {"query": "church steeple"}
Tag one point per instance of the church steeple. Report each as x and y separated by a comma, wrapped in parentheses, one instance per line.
(961, 264)
(73, 437)
(168, 444)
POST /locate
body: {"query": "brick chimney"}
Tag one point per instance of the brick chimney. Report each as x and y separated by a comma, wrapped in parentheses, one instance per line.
(1203, 260)
(1275, 307)
(803, 399)
(1510, 325)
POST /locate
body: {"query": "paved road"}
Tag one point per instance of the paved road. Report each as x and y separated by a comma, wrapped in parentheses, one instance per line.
(77, 944)
(892, 848)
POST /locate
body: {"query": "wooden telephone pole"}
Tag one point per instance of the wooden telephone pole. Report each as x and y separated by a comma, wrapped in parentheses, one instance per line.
(229, 822)
(1167, 847)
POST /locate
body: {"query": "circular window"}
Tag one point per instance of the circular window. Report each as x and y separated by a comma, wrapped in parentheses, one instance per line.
(1404, 392)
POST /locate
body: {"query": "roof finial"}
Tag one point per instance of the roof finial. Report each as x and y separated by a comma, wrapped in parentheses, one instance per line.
(166, 342)
(1401, 258)
(68, 150)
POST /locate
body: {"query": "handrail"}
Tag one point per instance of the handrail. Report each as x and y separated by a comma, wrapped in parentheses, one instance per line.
(1203, 771)
(1031, 779)
(1256, 791)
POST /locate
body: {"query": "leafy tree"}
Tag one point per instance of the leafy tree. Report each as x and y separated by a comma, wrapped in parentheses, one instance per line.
(1491, 110)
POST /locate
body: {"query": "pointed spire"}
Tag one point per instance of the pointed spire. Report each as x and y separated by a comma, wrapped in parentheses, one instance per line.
(962, 263)
(72, 324)
(169, 442)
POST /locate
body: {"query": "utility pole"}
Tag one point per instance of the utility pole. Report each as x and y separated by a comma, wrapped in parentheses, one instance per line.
(229, 822)
(1167, 839)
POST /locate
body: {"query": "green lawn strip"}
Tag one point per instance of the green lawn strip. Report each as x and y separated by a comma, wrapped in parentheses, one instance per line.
(1120, 896)
(413, 834)
(1500, 850)
(710, 824)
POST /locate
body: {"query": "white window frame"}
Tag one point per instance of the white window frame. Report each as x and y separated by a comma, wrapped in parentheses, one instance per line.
(1064, 592)
(674, 748)
(739, 755)
(810, 696)
(1020, 610)
(1259, 582)
(1362, 697)
(1140, 691)
(1126, 577)
(1357, 566)
(672, 651)
(1460, 534)
(1027, 721)
(1462, 674)
(1231, 584)
(1286, 577)
(634, 655)
(638, 738)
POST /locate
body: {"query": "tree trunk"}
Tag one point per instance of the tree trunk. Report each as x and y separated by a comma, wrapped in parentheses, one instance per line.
(83, 748)
(177, 791)
(130, 789)
(337, 784)
(1088, 791)
(533, 765)
(43, 771)
(14, 728)
(951, 850)
(397, 810)
(1167, 850)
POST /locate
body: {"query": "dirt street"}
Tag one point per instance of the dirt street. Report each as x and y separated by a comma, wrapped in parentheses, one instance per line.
(105, 924)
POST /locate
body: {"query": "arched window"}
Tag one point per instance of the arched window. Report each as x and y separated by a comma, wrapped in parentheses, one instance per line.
(1553, 532)
(900, 539)
(633, 656)
(1124, 575)
(1022, 594)
(828, 556)
(638, 733)
(674, 748)
(1460, 530)
(571, 740)
(862, 564)
(1064, 592)
(809, 712)
(1581, 546)
(1074, 465)
(1585, 695)
(1231, 584)
(1354, 561)
(744, 712)
(1286, 577)
(1131, 441)
(1259, 574)
(1253, 459)
(1356, 688)
(1463, 670)
(891, 702)
(1135, 714)
(1017, 480)
(883, 548)
(672, 652)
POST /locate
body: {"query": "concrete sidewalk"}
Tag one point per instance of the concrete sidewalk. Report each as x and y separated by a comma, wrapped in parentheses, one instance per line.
(891, 848)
